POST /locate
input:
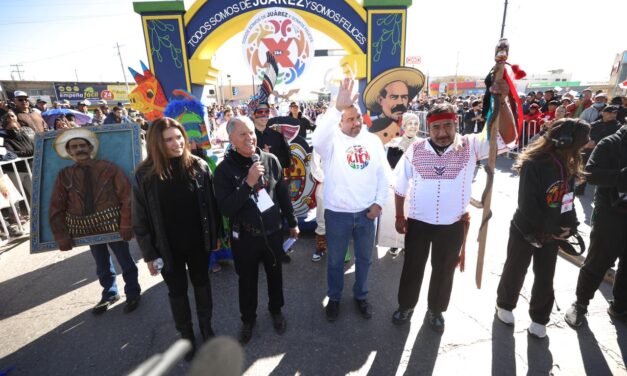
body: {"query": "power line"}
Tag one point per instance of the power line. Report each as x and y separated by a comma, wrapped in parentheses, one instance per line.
(18, 71)
(77, 18)
(82, 50)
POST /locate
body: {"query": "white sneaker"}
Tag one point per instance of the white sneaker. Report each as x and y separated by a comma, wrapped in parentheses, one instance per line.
(537, 330)
(505, 316)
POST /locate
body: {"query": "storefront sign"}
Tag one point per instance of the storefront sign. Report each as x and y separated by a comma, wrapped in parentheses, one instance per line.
(91, 91)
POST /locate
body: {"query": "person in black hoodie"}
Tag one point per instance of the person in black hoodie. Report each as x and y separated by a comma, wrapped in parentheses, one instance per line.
(545, 215)
(16, 137)
(305, 124)
(607, 169)
(175, 218)
(251, 192)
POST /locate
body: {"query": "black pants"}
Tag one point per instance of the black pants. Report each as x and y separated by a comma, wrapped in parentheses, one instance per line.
(519, 254)
(608, 242)
(197, 262)
(248, 252)
(445, 242)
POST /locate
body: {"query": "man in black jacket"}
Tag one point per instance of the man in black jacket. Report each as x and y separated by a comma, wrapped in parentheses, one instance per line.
(268, 139)
(605, 126)
(607, 170)
(251, 192)
(305, 124)
(473, 119)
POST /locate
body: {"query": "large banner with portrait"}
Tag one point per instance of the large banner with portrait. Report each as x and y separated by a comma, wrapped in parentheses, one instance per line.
(67, 205)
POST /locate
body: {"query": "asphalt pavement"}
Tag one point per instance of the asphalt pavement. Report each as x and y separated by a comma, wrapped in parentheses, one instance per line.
(46, 325)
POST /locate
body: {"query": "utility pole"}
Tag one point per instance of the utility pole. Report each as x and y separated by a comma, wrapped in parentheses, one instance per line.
(504, 16)
(123, 70)
(18, 71)
(76, 75)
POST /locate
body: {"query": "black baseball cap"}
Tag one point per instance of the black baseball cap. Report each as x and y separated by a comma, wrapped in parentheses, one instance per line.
(610, 109)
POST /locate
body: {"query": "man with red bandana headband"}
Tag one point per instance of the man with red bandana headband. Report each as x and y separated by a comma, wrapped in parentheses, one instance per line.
(441, 169)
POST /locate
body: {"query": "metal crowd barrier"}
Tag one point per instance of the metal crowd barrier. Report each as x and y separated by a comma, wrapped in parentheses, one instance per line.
(16, 195)
(27, 161)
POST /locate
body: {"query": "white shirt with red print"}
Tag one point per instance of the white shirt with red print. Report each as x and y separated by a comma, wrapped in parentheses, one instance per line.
(441, 187)
(355, 168)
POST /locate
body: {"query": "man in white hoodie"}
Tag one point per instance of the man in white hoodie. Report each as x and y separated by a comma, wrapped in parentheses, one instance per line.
(355, 189)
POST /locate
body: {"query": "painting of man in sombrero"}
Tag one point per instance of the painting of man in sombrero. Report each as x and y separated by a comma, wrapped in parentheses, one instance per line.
(81, 186)
(389, 95)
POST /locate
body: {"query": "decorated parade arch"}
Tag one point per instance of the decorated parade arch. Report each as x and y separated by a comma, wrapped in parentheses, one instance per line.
(181, 43)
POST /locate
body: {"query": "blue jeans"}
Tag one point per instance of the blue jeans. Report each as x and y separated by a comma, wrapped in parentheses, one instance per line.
(340, 228)
(106, 270)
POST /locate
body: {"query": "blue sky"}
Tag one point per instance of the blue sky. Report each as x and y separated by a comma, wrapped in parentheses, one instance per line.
(55, 38)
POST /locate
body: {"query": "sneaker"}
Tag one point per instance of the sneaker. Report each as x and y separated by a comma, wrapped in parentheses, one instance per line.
(279, 323)
(104, 305)
(505, 316)
(289, 251)
(394, 252)
(246, 333)
(401, 316)
(616, 314)
(14, 231)
(436, 320)
(317, 256)
(131, 304)
(332, 310)
(537, 330)
(575, 315)
(364, 308)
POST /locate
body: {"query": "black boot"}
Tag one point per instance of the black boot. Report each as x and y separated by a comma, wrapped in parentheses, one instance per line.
(183, 321)
(204, 306)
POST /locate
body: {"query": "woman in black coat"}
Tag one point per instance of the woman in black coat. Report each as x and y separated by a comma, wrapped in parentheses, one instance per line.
(175, 218)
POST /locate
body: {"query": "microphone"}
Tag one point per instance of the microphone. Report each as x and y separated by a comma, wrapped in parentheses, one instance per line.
(261, 182)
(221, 356)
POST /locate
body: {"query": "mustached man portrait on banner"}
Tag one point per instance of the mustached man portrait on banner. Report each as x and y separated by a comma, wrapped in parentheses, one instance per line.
(388, 96)
(81, 186)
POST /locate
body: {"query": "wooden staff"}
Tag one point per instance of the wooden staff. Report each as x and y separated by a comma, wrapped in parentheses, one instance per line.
(501, 54)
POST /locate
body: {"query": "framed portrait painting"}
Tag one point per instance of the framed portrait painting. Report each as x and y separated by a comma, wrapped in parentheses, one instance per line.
(110, 148)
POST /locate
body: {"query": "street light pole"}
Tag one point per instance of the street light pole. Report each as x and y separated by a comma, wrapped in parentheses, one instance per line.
(117, 46)
(228, 76)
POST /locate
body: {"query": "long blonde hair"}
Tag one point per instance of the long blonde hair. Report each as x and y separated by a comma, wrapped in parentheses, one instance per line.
(158, 162)
(569, 154)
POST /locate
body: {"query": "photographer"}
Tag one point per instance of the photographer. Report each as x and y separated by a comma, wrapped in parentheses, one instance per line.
(607, 169)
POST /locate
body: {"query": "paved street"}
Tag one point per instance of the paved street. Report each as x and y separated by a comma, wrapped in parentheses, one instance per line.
(47, 328)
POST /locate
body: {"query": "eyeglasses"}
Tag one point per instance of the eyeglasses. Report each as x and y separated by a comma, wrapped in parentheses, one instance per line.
(22, 99)
(262, 112)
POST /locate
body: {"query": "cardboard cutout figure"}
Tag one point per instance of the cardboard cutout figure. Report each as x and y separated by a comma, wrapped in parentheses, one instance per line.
(389, 95)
